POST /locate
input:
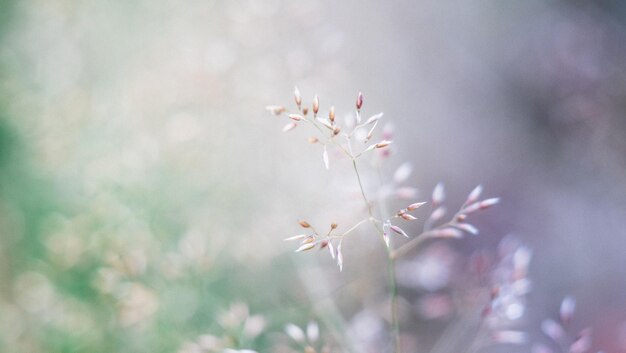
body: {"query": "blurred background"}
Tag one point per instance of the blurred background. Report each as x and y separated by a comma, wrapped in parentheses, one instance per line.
(145, 191)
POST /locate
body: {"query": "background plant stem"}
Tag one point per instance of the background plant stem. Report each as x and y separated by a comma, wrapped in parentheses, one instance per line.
(393, 285)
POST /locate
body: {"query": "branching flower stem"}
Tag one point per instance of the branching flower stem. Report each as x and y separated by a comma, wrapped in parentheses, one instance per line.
(391, 263)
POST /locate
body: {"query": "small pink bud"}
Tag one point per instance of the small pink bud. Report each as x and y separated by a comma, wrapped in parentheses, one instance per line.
(289, 127)
(383, 144)
(359, 101)
(316, 105)
(297, 96)
(305, 247)
(398, 230)
(296, 117)
(415, 206)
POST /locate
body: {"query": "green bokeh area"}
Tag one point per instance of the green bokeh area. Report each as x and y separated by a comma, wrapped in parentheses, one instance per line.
(115, 268)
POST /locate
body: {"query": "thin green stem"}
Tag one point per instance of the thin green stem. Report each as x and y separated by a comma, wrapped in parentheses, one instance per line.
(393, 287)
(393, 284)
(409, 245)
(358, 177)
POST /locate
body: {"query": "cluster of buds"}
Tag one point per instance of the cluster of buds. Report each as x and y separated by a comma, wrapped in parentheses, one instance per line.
(557, 331)
(458, 224)
(509, 286)
(330, 134)
(328, 129)
(322, 241)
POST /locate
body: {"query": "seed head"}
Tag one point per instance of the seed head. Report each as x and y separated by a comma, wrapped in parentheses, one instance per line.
(331, 114)
(383, 144)
(467, 227)
(475, 194)
(489, 202)
(407, 217)
(566, 312)
(297, 97)
(304, 224)
(296, 117)
(289, 126)
(448, 233)
(305, 247)
(275, 109)
(437, 214)
(297, 237)
(439, 194)
(359, 101)
(333, 225)
(415, 206)
(316, 105)
(399, 230)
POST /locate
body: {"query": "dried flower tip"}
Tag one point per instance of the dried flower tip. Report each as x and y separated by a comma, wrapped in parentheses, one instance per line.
(566, 312)
(374, 118)
(325, 158)
(333, 225)
(305, 247)
(304, 224)
(296, 117)
(297, 96)
(402, 173)
(461, 217)
(275, 109)
(386, 239)
(383, 143)
(439, 194)
(289, 127)
(437, 214)
(398, 230)
(521, 261)
(331, 114)
(467, 228)
(312, 331)
(331, 249)
(339, 257)
(323, 244)
(489, 202)
(371, 132)
(305, 111)
(294, 332)
(336, 131)
(415, 206)
(481, 205)
(316, 105)
(297, 237)
(359, 101)
(407, 217)
(475, 194)
(308, 240)
(552, 329)
(448, 233)
(313, 139)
